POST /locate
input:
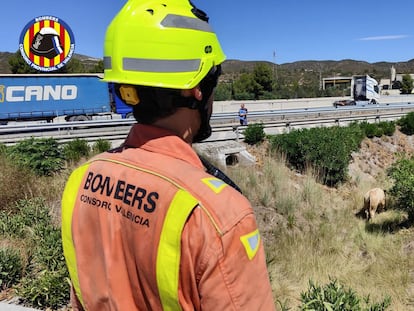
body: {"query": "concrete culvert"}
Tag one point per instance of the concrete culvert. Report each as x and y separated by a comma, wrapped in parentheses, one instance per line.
(231, 159)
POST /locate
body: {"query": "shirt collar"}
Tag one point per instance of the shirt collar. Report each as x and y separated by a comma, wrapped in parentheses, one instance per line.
(160, 140)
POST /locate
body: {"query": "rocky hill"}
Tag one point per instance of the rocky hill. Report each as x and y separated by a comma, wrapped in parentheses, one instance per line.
(326, 67)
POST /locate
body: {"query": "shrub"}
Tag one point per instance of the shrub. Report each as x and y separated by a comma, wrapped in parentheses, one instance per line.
(254, 133)
(371, 130)
(44, 282)
(43, 156)
(101, 145)
(48, 288)
(74, 150)
(406, 124)
(3, 149)
(15, 181)
(402, 172)
(388, 127)
(11, 267)
(319, 148)
(335, 297)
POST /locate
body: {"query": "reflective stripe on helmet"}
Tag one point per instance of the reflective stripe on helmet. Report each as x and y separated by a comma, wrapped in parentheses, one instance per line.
(169, 249)
(107, 62)
(169, 31)
(160, 65)
(185, 22)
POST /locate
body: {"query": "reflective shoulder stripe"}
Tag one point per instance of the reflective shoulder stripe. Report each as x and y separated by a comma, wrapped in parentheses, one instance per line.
(169, 249)
(185, 22)
(68, 203)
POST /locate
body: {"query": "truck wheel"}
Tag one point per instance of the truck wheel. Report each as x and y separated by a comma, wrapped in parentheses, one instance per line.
(79, 118)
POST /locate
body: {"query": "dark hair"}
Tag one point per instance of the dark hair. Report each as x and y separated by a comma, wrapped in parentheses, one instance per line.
(155, 103)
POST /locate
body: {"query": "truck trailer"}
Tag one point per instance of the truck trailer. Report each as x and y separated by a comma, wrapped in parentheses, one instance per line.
(34, 97)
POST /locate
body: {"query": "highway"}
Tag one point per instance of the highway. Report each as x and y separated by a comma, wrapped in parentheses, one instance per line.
(225, 124)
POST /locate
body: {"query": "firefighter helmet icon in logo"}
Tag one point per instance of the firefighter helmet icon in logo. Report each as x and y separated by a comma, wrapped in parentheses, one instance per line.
(47, 43)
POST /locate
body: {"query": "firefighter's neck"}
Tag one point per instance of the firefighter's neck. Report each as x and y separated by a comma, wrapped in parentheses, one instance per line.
(185, 122)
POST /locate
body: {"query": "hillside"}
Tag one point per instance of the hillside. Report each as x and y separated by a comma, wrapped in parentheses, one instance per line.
(326, 67)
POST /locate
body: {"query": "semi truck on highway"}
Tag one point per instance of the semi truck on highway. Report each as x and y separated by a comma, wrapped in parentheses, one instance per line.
(365, 91)
(29, 97)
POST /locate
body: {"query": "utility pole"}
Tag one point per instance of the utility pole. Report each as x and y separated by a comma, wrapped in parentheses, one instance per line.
(274, 66)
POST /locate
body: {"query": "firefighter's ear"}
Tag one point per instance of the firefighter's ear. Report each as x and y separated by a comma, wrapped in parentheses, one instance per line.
(197, 93)
(194, 92)
(129, 94)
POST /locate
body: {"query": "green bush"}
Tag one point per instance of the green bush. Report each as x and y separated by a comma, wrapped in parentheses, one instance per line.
(101, 145)
(15, 181)
(43, 156)
(47, 289)
(44, 282)
(406, 124)
(254, 133)
(402, 172)
(3, 149)
(76, 149)
(371, 129)
(327, 150)
(334, 297)
(388, 127)
(11, 267)
(378, 129)
(25, 214)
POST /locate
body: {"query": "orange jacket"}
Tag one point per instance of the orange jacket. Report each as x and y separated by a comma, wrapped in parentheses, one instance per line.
(144, 227)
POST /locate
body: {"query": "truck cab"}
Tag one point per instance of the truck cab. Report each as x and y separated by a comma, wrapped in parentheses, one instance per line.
(365, 90)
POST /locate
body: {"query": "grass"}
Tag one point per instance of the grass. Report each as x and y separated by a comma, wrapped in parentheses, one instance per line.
(310, 232)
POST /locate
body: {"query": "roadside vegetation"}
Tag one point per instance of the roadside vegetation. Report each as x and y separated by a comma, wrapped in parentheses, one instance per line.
(320, 254)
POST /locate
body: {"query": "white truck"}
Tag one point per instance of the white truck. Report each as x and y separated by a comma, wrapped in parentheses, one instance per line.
(364, 91)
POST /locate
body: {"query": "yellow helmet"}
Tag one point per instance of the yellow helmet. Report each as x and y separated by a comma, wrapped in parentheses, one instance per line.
(160, 43)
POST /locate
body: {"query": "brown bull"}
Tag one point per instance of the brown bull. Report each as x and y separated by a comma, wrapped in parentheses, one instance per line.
(374, 201)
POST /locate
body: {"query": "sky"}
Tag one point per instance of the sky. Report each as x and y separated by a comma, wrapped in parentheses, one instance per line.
(252, 30)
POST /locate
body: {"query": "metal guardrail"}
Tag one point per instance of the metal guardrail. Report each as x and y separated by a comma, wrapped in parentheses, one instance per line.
(225, 125)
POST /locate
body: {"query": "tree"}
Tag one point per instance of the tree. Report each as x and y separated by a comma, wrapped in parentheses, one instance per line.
(73, 66)
(244, 87)
(263, 76)
(223, 91)
(406, 84)
(99, 67)
(18, 64)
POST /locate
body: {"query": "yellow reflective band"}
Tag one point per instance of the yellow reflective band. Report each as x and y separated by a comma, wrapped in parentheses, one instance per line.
(215, 184)
(251, 243)
(68, 203)
(169, 249)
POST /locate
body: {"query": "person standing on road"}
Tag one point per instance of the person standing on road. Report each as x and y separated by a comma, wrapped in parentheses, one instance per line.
(243, 115)
(145, 226)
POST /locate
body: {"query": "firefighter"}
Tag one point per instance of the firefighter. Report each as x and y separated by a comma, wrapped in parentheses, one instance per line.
(145, 226)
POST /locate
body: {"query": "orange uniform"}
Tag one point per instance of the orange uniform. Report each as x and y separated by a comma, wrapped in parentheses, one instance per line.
(144, 227)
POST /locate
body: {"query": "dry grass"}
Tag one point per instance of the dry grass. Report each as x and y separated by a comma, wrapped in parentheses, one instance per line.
(311, 232)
